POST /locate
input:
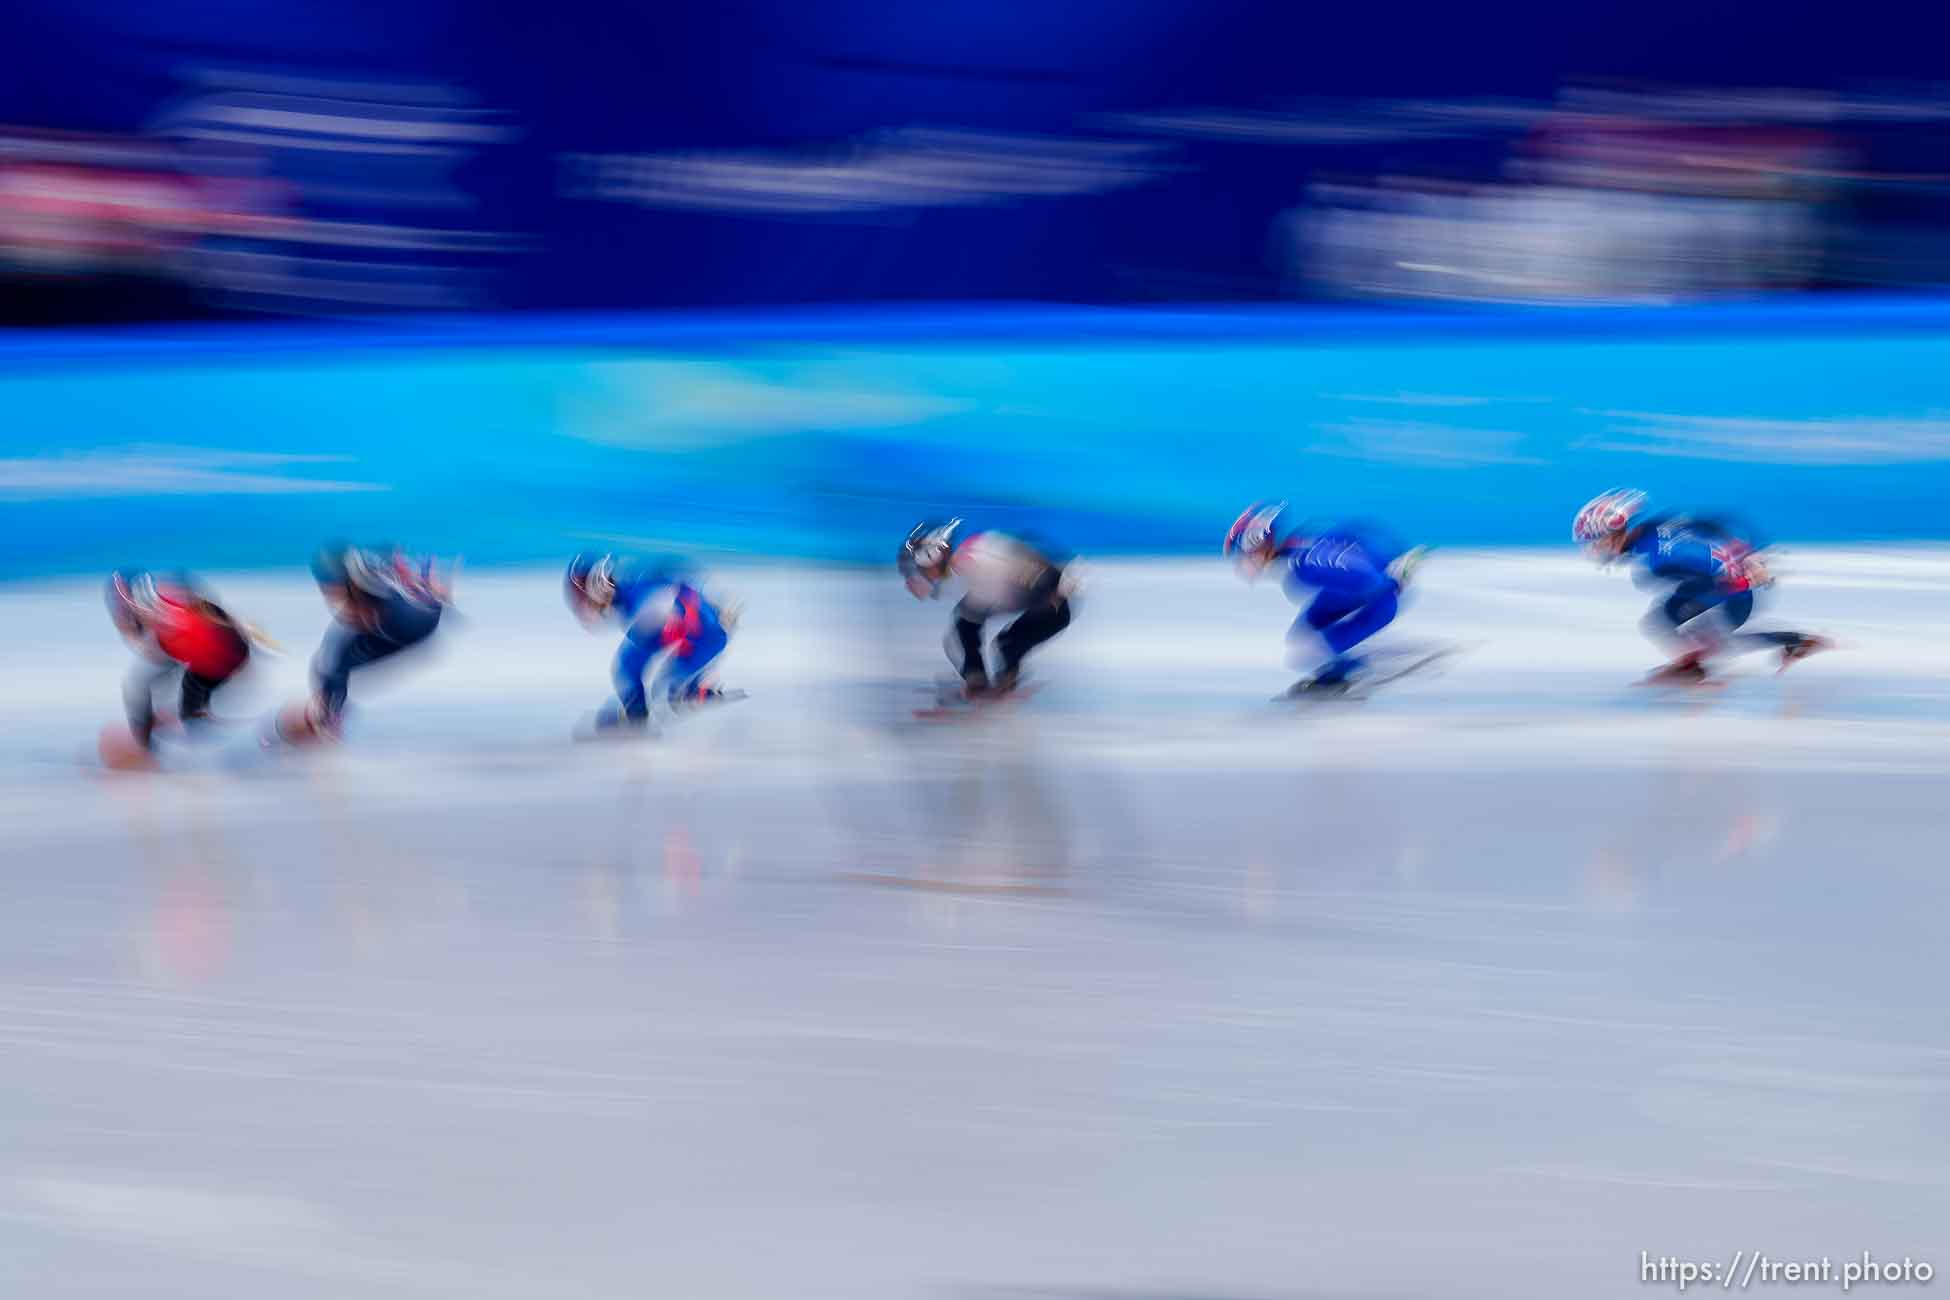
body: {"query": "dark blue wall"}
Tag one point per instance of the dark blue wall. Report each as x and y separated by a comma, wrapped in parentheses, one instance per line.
(582, 77)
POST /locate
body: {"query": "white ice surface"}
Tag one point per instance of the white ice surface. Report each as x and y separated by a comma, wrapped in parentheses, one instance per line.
(1142, 989)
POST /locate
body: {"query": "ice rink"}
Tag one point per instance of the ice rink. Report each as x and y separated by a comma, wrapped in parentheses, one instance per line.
(1145, 989)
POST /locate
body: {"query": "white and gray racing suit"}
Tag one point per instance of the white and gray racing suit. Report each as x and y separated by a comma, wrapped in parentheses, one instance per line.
(1004, 576)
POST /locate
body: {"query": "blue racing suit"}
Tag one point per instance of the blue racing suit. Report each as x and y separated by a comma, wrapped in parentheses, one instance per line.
(661, 614)
(1341, 575)
(1704, 565)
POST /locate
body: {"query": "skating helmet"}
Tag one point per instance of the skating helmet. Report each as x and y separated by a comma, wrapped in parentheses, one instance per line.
(589, 585)
(1607, 515)
(331, 566)
(132, 599)
(1259, 526)
(374, 571)
(926, 548)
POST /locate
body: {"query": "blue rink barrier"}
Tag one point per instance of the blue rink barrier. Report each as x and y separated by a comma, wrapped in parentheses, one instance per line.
(823, 434)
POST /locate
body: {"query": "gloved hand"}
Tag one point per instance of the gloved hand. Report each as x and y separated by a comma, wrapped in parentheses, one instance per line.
(1403, 567)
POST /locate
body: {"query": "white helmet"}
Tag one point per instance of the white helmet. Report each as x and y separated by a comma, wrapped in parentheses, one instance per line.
(926, 548)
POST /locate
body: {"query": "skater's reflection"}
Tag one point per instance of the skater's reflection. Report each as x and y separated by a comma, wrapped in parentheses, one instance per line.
(188, 931)
(990, 817)
(632, 871)
(1686, 819)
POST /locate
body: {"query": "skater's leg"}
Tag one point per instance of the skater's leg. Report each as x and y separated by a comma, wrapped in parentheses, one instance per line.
(1794, 646)
(407, 624)
(343, 651)
(1685, 621)
(1356, 598)
(632, 660)
(1307, 650)
(139, 696)
(1035, 626)
(1351, 631)
(704, 641)
(1700, 620)
(1731, 615)
(346, 650)
(964, 647)
(1337, 621)
(197, 690)
(1326, 609)
(1363, 623)
(1696, 622)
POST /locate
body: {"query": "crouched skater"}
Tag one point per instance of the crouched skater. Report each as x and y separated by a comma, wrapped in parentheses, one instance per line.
(1348, 578)
(1002, 576)
(673, 634)
(178, 632)
(1707, 572)
(383, 602)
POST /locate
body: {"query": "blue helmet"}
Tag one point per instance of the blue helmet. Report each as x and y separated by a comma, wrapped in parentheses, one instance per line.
(331, 564)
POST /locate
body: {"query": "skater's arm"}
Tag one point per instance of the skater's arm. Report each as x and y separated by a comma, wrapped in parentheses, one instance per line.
(257, 636)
